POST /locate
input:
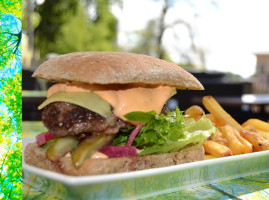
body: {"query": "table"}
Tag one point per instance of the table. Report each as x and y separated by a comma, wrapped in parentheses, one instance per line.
(255, 186)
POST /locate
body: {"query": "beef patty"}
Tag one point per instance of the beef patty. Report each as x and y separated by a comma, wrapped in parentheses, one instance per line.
(64, 119)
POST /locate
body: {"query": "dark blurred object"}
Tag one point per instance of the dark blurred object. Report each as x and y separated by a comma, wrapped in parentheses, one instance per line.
(31, 99)
(29, 108)
(228, 93)
(28, 82)
(30, 102)
(33, 94)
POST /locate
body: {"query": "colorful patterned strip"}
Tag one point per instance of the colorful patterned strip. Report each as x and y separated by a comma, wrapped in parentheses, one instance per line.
(10, 100)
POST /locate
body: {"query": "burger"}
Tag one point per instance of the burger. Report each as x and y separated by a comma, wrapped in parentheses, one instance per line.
(106, 113)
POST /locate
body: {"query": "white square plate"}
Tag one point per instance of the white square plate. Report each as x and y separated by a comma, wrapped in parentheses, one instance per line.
(145, 183)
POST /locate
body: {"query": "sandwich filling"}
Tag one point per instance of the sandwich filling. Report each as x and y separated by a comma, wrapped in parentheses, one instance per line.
(116, 120)
(123, 98)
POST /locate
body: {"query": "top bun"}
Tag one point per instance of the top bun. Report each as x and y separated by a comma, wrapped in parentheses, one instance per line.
(116, 68)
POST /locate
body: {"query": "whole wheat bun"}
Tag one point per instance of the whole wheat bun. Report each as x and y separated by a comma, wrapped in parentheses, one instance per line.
(116, 68)
(36, 156)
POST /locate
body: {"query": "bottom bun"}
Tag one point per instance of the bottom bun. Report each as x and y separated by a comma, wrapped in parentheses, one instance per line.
(37, 157)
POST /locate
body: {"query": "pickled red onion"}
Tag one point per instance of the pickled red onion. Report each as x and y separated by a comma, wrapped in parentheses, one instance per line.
(133, 135)
(119, 151)
(44, 137)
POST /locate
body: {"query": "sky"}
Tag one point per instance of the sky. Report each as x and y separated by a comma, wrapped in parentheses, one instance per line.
(230, 32)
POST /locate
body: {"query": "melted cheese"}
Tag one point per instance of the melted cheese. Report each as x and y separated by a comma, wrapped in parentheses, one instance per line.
(123, 98)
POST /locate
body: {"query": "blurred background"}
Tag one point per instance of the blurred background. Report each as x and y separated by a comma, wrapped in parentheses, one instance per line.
(224, 43)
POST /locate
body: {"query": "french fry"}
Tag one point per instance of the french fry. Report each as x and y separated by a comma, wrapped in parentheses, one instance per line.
(219, 113)
(249, 128)
(252, 135)
(248, 146)
(264, 134)
(257, 124)
(233, 142)
(208, 157)
(222, 141)
(216, 149)
(218, 137)
(194, 111)
(259, 143)
(214, 121)
(211, 118)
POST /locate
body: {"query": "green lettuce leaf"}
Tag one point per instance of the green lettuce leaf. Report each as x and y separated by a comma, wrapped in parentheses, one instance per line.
(120, 140)
(161, 129)
(167, 133)
(194, 134)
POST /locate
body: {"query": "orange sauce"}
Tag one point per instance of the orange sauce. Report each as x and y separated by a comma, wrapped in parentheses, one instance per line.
(123, 98)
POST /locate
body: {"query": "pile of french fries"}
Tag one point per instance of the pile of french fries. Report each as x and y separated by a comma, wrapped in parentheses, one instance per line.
(231, 138)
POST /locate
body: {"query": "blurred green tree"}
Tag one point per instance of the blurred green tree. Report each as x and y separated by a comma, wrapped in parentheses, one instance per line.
(68, 25)
(53, 15)
(84, 33)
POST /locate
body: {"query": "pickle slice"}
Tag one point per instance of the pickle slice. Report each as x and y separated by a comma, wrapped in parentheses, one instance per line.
(60, 146)
(47, 145)
(88, 147)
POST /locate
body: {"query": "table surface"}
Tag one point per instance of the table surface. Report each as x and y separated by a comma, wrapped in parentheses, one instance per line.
(255, 186)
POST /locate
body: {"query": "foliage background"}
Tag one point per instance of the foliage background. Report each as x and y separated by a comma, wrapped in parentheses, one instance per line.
(64, 26)
(10, 100)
